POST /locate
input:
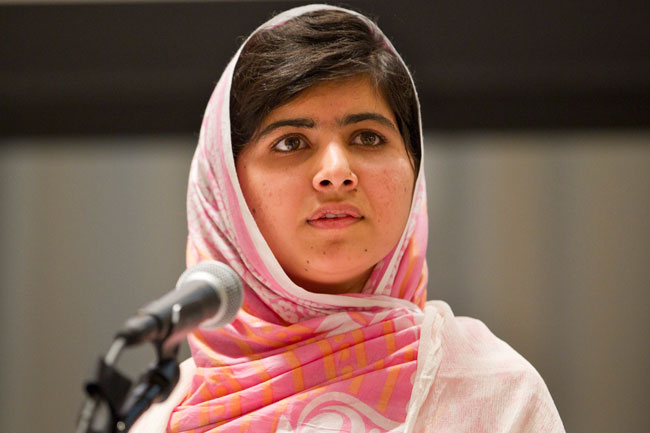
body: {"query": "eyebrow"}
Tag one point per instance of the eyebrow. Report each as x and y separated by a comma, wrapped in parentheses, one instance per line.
(360, 117)
(298, 123)
(304, 122)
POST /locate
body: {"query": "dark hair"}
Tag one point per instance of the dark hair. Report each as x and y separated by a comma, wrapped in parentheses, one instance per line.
(280, 62)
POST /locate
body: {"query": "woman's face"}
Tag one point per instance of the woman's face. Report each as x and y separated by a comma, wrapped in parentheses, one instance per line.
(329, 183)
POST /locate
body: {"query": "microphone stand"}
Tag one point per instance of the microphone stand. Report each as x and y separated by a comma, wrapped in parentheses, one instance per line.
(112, 404)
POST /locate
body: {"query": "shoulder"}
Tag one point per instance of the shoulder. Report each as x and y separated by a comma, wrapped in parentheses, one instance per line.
(493, 386)
(156, 418)
(469, 346)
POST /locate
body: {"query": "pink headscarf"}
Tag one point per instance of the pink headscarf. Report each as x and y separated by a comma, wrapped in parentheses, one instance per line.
(294, 358)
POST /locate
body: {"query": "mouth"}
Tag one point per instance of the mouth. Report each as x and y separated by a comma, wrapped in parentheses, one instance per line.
(335, 216)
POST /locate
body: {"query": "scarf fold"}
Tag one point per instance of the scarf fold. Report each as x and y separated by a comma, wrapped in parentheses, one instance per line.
(294, 360)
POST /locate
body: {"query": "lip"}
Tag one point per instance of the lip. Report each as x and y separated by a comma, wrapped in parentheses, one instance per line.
(346, 215)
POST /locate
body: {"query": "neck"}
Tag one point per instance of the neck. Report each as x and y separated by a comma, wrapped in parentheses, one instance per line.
(352, 285)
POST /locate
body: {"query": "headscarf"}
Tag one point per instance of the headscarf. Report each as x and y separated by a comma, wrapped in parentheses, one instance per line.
(292, 358)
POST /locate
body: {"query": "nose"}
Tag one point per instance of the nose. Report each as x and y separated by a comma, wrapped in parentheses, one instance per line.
(334, 170)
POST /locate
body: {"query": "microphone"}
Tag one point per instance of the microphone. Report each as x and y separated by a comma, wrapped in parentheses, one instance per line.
(208, 295)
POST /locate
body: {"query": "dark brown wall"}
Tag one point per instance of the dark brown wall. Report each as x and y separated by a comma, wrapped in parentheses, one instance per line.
(150, 67)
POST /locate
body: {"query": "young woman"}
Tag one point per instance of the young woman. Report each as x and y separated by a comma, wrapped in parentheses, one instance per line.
(307, 181)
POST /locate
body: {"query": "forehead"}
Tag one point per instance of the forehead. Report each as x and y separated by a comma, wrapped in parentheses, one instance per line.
(332, 100)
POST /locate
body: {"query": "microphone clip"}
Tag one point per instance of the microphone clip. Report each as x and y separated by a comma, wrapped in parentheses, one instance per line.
(113, 403)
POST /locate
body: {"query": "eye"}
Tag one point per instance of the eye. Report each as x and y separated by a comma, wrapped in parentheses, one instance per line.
(368, 138)
(290, 143)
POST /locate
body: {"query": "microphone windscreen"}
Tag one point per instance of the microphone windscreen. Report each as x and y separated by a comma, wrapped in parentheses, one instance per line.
(225, 281)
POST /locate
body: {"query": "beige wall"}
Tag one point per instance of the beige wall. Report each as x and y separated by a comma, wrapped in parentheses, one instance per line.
(545, 237)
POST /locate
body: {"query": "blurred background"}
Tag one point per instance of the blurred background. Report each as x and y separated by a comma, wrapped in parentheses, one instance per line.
(537, 129)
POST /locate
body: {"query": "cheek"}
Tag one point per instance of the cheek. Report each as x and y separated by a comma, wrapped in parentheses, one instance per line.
(259, 198)
(268, 198)
(254, 188)
(391, 190)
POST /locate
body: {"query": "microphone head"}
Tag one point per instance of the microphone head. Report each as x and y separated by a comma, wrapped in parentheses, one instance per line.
(223, 279)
